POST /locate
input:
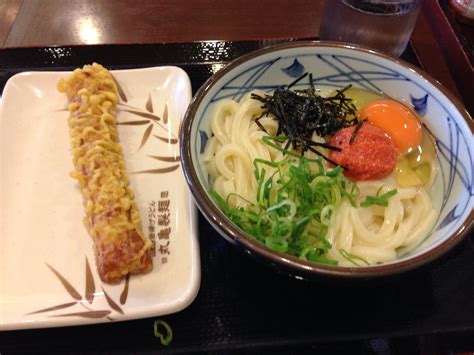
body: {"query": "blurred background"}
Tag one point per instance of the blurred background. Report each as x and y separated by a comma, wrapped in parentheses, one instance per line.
(27, 23)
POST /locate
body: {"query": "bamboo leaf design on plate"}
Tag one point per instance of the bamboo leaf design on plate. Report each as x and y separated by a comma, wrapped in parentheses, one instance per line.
(165, 114)
(154, 118)
(86, 314)
(145, 137)
(85, 306)
(149, 105)
(133, 123)
(167, 159)
(111, 303)
(90, 289)
(124, 294)
(120, 91)
(69, 288)
(158, 171)
(54, 308)
(90, 285)
(166, 139)
(143, 114)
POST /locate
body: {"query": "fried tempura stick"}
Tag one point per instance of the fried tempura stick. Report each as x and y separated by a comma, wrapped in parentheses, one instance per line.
(112, 217)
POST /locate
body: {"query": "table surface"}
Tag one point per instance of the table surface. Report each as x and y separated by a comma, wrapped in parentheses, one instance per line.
(40, 23)
(26, 23)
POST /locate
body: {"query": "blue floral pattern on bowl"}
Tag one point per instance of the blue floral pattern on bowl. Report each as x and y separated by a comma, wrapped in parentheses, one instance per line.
(420, 104)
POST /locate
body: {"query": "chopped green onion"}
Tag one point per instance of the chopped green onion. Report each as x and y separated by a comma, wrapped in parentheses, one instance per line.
(277, 244)
(353, 258)
(164, 338)
(221, 203)
(381, 200)
(295, 202)
(322, 259)
(326, 213)
(299, 227)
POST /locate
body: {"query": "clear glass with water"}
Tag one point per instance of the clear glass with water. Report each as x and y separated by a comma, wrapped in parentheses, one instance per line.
(385, 25)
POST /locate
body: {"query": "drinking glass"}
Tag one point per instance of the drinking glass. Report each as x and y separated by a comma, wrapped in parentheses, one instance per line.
(385, 25)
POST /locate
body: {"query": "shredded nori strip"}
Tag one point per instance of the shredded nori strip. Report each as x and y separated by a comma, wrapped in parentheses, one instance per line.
(359, 126)
(296, 81)
(302, 112)
(326, 158)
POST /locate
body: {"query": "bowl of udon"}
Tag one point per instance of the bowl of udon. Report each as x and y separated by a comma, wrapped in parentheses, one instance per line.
(324, 159)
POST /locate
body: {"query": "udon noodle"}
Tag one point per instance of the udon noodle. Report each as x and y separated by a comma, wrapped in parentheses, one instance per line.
(373, 233)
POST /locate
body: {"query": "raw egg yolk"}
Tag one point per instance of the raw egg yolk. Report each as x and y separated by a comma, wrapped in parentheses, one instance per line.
(398, 121)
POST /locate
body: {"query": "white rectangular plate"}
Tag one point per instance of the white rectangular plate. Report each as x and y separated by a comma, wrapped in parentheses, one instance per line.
(48, 276)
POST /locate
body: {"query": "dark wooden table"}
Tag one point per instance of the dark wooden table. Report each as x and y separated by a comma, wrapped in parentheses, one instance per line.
(39, 23)
(26, 23)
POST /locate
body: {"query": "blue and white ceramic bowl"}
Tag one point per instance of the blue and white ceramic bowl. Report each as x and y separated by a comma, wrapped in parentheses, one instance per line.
(335, 66)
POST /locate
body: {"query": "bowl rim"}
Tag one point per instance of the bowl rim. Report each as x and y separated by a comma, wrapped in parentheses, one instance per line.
(234, 234)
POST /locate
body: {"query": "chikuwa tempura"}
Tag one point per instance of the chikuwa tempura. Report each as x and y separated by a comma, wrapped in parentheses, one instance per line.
(112, 218)
(341, 180)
